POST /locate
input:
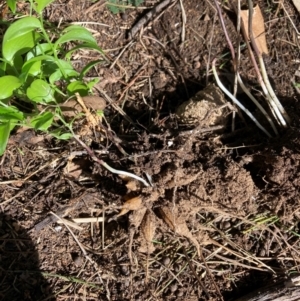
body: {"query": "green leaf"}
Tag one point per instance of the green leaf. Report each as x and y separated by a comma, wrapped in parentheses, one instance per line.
(62, 136)
(20, 35)
(91, 46)
(3, 66)
(34, 69)
(88, 67)
(11, 114)
(20, 27)
(49, 67)
(19, 45)
(38, 58)
(137, 2)
(92, 83)
(40, 49)
(8, 85)
(12, 4)
(79, 87)
(4, 134)
(33, 66)
(113, 6)
(42, 122)
(41, 4)
(117, 6)
(100, 113)
(55, 76)
(40, 92)
(76, 33)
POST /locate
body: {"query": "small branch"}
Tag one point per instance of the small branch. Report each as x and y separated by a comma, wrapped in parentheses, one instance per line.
(157, 9)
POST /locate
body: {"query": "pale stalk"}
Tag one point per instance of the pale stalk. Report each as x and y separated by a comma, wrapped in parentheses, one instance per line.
(222, 87)
(271, 92)
(236, 64)
(99, 161)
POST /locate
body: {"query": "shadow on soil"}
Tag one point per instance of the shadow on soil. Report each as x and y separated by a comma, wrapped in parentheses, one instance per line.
(20, 278)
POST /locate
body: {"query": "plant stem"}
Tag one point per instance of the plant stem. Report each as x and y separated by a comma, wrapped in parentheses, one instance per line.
(236, 62)
(99, 161)
(271, 92)
(222, 87)
(104, 164)
(46, 36)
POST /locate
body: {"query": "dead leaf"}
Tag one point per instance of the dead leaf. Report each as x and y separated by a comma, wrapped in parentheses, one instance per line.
(148, 226)
(131, 204)
(137, 216)
(297, 4)
(72, 170)
(177, 225)
(206, 17)
(92, 120)
(133, 185)
(72, 107)
(148, 230)
(168, 217)
(94, 102)
(258, 28)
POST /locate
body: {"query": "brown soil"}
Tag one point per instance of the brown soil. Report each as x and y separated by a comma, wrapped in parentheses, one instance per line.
(221, 217)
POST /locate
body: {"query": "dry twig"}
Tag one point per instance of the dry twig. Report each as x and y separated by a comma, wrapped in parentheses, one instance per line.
(145, 19)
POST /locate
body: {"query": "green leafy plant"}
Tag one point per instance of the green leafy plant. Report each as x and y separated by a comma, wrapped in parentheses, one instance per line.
(119, 6)
(36, 72)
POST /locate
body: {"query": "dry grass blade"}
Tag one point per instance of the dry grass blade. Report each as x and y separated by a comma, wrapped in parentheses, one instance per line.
(242, 107)
(274, 102)
(81, 247)
(237, 62)
(196, 275)
(183, 14)
(84, 220)
(70, 223)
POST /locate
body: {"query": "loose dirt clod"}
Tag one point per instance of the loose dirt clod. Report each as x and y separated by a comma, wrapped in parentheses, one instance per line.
(204, 108)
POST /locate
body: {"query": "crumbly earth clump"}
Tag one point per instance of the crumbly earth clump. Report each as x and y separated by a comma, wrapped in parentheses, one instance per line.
(206, 107)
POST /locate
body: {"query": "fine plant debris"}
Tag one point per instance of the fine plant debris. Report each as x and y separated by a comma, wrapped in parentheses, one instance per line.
(149, 150)
(119, 6)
